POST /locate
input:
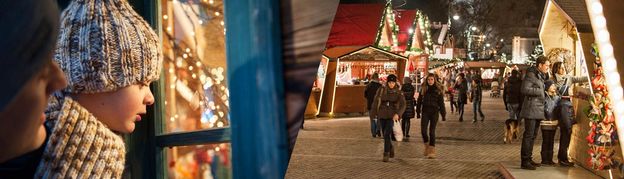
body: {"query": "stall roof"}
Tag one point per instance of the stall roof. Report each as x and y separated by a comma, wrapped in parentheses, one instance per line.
(342, 52)
(355, 25)
(484, 64)
(336, 52)
(405, 20)
(577, 11)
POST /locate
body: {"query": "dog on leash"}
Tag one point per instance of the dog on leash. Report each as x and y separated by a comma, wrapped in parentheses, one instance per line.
(511, 130)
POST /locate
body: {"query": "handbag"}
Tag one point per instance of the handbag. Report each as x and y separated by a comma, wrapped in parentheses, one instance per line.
(396, 129)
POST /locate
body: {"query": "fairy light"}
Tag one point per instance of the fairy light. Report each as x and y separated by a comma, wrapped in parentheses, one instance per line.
(169, 29)
(211, 1)
(184, 55)
(194, 76)
(217, 13)
(222, 23)
(190, 68)
(198, 64)
(188, 50)
(609, 62)
(165, 17)
(200, 22)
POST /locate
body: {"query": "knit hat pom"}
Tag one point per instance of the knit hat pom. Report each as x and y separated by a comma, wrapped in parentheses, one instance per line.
(104, 45)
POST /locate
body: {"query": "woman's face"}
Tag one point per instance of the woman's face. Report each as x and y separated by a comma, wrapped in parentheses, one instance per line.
(430, 80)
(21, 121)
(391, 84)
(120, 109)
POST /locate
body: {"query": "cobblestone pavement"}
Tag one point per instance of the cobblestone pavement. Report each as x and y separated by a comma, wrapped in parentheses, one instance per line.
(344, 148)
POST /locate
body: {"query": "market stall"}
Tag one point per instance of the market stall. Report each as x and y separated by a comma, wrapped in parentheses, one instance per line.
(348, 73)
(567, 36)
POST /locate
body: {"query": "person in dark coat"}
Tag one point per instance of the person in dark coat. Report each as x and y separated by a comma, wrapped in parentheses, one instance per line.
(512, 97)
(388, 106)
(564, 82)
(29, 76)
(430, 105)
(410, 102)
(532, 108)
(461, 86)
(369, 94)
(476, 95)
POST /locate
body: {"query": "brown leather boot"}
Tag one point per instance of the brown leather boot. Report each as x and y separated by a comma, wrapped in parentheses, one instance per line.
(432, 153)
(425, 149)
(386, 156)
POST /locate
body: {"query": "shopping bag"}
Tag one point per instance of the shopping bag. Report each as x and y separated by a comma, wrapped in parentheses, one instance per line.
(396, 129)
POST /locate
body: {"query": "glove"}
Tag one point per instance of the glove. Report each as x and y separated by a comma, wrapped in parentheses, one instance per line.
(418, 115)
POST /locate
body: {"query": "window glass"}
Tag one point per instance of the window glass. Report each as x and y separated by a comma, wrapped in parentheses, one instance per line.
(196, 93)
(200, 161)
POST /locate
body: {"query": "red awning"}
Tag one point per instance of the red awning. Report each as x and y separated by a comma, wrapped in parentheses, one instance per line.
(355, 25)
(405, 20)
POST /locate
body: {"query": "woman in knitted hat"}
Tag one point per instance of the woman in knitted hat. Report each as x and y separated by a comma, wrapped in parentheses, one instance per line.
(109, 55)
(29, 77)
(388, 106)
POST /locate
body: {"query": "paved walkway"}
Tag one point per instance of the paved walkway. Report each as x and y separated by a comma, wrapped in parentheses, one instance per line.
(344, 148)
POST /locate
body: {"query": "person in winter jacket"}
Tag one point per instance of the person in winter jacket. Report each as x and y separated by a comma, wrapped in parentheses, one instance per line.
(109, 63)
(388, 106)
(564, 83)
(452, 96)
(476, 95)
(430, 105)
(512, 97)
(369, 94)
(532, 108)
(549, 124)
(408, 92)
(461, 86)
(29, 77)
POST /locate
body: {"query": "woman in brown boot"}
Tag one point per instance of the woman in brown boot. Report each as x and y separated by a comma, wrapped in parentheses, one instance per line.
(388, 105)
(431, 104)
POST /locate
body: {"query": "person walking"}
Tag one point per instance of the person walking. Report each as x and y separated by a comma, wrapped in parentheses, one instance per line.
(369, 94)
(564, 81)
(408, 92)
(461, 86)
(532, 109)
(430, 105)
(388, 106)
(512, 96)
(451, 95)
(476, 96)
(549, 124)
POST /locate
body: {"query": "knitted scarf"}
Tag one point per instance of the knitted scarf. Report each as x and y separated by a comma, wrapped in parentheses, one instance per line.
(80, 146)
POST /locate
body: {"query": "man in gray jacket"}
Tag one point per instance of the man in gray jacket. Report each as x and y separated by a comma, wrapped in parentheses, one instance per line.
(532, 108)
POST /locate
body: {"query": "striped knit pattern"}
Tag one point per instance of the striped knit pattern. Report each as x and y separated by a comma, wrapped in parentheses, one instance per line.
(104, 45)
(80, 146)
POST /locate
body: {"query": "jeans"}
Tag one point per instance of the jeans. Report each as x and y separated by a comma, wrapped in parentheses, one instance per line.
(548, 142)
(460, 109)
(531, 127)
(374, 126)
(514, 111)
(565, 123)
(476, 106)
(387, 124)
(430, 120)
(405, 126)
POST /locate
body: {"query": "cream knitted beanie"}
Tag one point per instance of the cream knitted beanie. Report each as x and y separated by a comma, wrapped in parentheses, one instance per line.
(104, 45)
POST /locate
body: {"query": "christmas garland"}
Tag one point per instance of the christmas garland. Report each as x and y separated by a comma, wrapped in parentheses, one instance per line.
(602, 135)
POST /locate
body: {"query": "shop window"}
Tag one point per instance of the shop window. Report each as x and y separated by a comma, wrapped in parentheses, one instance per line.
(200, 161)
(196, 94)
(195, 132)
